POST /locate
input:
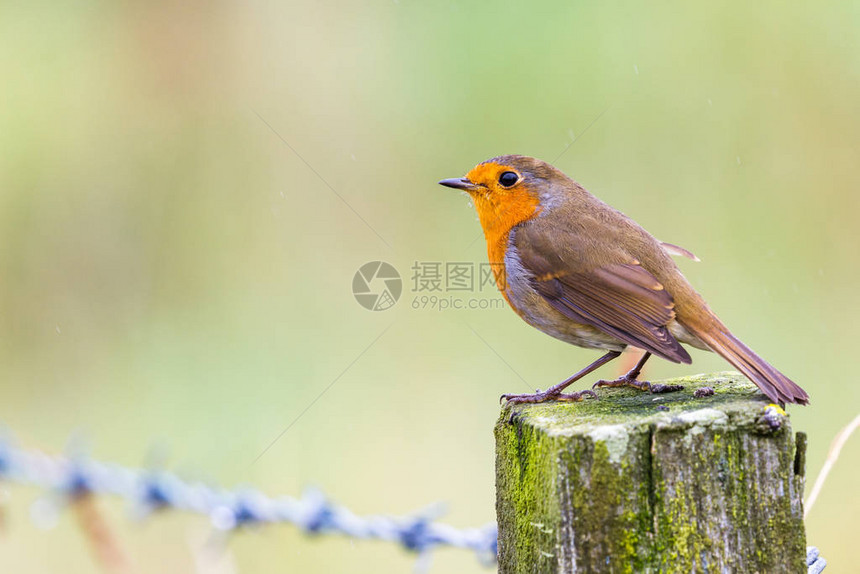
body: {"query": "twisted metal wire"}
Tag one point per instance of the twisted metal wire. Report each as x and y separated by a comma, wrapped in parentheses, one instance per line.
(227, 509)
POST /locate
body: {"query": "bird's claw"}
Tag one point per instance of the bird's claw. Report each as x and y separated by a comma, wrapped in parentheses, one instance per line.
(508, 396)
(541, 397)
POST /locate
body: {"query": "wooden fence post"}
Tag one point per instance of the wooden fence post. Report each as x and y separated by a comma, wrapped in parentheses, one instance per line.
(635, 482)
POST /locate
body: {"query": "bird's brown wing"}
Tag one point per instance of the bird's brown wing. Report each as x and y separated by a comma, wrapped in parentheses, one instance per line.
(621, 299)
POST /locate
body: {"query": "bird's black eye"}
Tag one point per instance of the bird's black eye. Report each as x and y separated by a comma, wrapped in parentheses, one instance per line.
(508, 178)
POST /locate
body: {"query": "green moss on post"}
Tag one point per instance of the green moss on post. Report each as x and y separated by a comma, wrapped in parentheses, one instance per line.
(635, 482)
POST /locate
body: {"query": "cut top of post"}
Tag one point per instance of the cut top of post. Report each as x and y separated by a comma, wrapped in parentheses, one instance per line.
(733, 397)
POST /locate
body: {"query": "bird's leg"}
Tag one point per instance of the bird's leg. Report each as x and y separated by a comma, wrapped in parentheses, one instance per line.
(629, 380)
(555, 393)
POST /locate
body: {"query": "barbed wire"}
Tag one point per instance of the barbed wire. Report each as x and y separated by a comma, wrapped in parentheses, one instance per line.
(149, 491)
(814, 561)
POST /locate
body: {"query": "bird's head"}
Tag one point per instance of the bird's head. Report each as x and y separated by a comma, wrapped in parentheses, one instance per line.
(510, 189)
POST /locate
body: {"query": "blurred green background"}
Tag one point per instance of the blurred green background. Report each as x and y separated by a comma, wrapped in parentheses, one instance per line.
(172, 275)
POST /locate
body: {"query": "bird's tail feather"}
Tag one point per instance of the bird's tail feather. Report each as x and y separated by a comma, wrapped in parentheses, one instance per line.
(772, 383)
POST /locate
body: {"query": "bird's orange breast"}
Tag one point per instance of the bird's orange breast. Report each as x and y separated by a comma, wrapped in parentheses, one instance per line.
(498, 217)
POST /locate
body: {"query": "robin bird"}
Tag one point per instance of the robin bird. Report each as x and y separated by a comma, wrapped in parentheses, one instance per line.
(583, 272)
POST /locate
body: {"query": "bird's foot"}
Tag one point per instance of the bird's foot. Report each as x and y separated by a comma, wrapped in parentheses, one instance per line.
(544, 396)
(631, 382)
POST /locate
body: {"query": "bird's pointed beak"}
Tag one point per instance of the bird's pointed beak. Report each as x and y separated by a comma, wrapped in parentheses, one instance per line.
(459, 183)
